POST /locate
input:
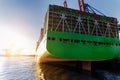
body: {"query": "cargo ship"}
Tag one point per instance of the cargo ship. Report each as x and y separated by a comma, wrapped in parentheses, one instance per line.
(78, 35)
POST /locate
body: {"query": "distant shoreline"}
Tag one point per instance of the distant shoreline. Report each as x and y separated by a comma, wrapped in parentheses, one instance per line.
(18, 56)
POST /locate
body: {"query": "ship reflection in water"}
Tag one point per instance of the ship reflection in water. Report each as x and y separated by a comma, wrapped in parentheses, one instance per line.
(71, 71)
(62, 71)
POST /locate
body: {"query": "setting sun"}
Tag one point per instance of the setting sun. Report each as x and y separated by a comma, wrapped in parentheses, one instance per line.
(16, 42)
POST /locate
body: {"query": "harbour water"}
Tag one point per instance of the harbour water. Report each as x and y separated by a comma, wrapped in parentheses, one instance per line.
(17, 68)
(26, 68)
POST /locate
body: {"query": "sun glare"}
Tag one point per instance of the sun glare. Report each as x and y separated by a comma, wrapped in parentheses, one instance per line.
(16, 42)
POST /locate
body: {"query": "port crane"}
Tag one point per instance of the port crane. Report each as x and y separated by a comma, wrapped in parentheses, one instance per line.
(83, 7)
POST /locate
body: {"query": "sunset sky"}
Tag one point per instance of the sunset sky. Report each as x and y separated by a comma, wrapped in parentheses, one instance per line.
(21, 20)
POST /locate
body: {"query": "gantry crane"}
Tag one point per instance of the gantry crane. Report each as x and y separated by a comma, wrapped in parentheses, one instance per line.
(83, 7)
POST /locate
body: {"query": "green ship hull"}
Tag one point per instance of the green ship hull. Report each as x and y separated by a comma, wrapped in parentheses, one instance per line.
(78, 47)
(81, 47)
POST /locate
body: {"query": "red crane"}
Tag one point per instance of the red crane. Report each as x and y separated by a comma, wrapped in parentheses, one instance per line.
(81, 5)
